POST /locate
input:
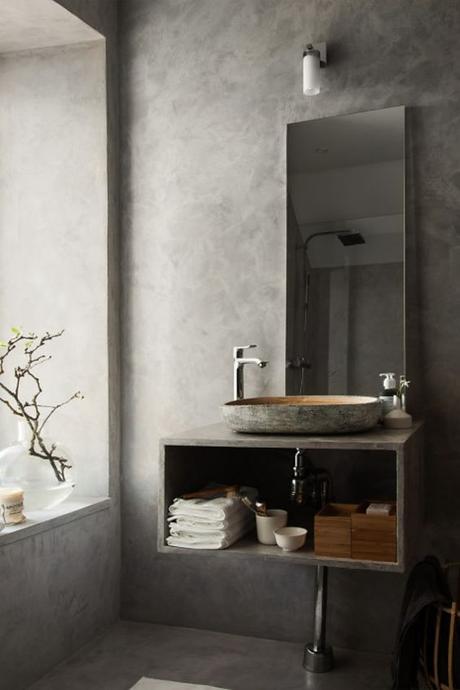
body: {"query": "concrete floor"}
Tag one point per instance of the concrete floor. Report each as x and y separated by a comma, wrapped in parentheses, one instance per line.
(117, 659)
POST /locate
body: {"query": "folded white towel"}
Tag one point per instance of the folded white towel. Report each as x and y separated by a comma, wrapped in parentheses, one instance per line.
(192, 523)
(193, 527)
(215, 523)
(182, 543)
(198, 523)
(212, 540)
(213, 509)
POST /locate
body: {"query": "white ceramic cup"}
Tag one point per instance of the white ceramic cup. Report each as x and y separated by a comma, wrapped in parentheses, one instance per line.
(266, 525)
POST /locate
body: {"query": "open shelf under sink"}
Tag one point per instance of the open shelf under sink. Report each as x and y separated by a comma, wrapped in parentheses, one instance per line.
(361, 462)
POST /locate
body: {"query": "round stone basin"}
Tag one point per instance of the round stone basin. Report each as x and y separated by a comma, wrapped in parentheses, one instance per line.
(306, 414)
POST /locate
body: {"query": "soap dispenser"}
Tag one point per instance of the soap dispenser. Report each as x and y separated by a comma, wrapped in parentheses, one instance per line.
(309, 492)
(398, 418)
(388, 393)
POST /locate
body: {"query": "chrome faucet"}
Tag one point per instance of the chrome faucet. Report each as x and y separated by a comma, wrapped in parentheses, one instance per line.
(238, 368)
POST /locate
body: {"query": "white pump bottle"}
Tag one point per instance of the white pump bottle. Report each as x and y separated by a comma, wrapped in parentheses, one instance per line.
(388, 393)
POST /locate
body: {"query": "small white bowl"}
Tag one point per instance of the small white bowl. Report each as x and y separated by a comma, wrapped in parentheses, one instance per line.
(290, 538)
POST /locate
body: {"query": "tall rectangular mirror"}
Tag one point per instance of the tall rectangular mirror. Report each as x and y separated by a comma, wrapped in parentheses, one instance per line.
(345, 252)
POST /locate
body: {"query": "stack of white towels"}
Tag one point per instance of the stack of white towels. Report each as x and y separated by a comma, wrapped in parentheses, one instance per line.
(197, 523)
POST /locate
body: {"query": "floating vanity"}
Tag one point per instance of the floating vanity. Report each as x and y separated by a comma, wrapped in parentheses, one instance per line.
(378, 464)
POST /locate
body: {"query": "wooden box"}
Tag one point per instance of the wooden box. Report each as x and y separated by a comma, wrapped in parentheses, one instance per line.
(373, 537)
(333, 530)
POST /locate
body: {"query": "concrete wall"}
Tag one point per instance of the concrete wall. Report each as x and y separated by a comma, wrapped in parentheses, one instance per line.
(64, 582)
(208, 89)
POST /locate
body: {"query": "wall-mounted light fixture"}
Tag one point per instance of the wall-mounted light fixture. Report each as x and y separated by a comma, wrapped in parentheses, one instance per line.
(314, 57)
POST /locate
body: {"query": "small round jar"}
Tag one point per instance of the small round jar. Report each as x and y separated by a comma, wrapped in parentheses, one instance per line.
(11, 505)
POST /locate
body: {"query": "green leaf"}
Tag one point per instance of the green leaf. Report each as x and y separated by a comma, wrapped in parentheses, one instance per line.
(3, 344)
(16, 330)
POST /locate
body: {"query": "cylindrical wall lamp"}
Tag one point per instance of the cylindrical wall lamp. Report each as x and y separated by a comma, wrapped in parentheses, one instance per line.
(314, 57)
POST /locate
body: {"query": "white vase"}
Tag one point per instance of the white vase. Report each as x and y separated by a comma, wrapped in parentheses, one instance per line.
(35, 476)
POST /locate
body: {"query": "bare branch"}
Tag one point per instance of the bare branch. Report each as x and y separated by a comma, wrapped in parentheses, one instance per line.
(6, 389)
(75, 396)
(10, 406)
(31, 410)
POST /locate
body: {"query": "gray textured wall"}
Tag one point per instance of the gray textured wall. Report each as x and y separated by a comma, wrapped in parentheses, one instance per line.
(208, 88)
(60, 587)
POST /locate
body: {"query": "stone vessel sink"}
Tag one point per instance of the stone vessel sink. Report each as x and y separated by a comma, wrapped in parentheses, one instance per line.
(309, 414)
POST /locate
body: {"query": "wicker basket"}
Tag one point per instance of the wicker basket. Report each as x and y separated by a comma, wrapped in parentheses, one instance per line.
(440, 660)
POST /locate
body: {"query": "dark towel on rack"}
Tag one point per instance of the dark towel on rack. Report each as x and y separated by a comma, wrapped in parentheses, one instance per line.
(425, 586)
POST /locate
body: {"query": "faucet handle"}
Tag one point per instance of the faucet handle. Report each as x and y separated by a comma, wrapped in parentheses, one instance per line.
(239, 349)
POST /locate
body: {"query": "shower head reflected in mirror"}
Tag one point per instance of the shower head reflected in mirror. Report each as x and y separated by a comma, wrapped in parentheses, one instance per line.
(348, 238)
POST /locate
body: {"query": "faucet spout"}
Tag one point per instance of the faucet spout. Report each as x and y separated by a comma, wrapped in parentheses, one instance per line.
(251, 360)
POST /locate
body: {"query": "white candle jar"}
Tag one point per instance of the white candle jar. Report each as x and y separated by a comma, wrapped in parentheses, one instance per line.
(11, 506)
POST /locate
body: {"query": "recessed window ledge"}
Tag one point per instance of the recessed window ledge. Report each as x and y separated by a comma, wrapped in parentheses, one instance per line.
(44, 520)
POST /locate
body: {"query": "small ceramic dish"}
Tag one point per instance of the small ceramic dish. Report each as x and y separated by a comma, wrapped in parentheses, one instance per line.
(290, 538)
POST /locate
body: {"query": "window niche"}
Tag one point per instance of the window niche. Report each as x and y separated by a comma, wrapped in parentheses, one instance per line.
(53, 219)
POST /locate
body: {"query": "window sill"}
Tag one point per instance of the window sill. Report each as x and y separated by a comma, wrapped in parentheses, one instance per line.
(44, 520)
